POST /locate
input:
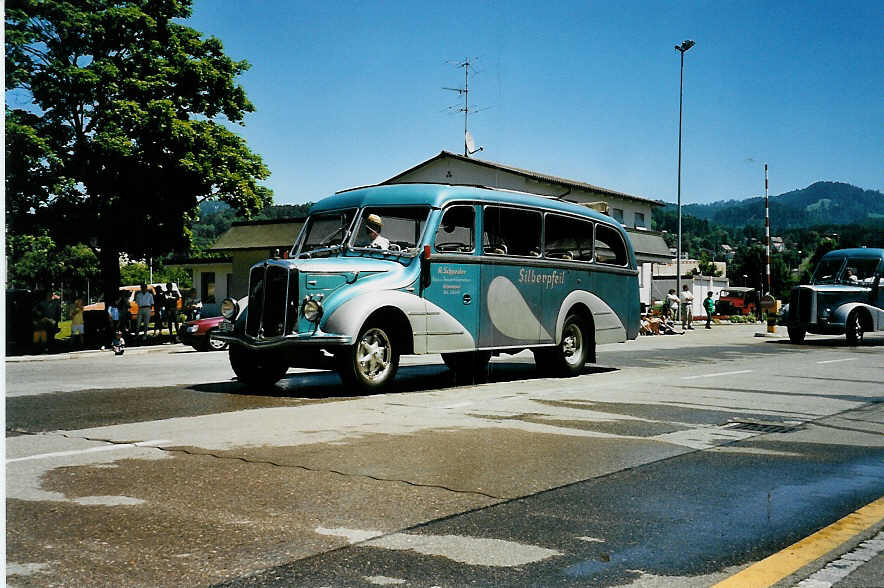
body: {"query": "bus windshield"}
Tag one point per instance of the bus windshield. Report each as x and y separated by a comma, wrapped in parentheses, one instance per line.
(392, 229)
(325, 233)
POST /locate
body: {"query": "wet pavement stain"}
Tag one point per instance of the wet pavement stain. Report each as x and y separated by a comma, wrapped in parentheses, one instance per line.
(694, 515)
(201, 520)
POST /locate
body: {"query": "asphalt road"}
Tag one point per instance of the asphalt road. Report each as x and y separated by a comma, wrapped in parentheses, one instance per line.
(675, 460)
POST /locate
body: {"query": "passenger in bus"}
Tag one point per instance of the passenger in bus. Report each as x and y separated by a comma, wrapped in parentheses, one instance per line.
(374, 224)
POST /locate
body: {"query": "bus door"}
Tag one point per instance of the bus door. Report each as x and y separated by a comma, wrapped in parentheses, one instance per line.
(453, 293)
(512, 281)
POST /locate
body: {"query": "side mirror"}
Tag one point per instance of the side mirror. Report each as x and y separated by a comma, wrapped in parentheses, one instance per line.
(425, 268)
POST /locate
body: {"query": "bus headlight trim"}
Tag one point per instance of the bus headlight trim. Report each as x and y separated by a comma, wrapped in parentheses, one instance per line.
(312, 310)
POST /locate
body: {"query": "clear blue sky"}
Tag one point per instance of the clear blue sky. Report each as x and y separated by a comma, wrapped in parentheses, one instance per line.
(350, 93)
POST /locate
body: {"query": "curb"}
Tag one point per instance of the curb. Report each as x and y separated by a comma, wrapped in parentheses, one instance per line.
(140, 350)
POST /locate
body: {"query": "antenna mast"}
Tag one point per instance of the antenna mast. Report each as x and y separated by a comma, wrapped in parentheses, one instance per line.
(468, 147)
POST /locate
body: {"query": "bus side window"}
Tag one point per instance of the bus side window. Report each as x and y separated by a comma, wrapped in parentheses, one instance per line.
(609, 246)
(568, 238)
(455, 233)
(511, 231)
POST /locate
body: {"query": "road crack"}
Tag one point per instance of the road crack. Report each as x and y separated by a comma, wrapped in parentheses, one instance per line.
(270, 463)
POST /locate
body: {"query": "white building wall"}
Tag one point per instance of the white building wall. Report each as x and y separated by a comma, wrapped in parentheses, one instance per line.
(455, 171)
(221, 270)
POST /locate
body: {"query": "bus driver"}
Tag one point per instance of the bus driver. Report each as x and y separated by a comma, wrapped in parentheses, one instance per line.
(374, 224)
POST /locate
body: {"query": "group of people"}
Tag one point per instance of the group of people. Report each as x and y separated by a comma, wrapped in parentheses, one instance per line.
(161, 305)
(675, 307)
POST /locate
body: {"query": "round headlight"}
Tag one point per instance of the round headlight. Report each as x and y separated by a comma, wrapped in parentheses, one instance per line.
(312, 310)
(229, 308)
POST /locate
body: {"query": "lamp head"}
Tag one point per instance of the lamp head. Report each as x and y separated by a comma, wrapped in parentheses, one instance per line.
(685, 45)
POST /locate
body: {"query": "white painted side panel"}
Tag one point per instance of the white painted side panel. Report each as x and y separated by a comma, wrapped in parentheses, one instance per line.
(348, 318)
(608, 326)
(444, 333)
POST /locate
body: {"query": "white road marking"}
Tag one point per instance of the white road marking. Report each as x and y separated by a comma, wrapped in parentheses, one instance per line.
(383, 580)
(108, 501)
(716, 375)
(89, 450)
(837, 360)
(458, 405)
(839, 569)
(352, 535)
(591, 540)
(474, 551)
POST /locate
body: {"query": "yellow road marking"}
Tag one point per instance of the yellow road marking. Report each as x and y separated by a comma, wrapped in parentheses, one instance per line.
(771, 570)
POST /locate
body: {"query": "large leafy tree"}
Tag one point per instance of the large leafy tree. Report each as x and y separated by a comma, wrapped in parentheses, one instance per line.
(122, 126)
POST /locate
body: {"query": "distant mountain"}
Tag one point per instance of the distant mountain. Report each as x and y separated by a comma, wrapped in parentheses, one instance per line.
(822, 203)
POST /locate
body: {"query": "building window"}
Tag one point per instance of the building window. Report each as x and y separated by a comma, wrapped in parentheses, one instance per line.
(207, 287)
(618, 215)
(639, 219)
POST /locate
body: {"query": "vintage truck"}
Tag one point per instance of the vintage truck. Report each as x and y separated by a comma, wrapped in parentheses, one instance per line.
(843, 298)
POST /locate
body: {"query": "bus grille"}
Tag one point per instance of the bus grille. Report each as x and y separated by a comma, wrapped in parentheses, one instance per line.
(271, 288)
(801, 304)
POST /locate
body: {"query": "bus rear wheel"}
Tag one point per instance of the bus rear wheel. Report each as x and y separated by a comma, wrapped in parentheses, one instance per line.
(468, 366)
(569, 356)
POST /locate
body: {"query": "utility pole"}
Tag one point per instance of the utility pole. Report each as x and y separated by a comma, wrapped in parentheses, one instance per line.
(685, 46)
(767, 229)
(468, 146)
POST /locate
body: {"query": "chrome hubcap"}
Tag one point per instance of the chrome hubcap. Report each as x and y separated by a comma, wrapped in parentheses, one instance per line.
(572, 344)
(373, 354)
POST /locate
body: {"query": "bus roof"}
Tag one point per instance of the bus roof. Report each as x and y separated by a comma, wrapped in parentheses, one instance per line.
(437, 195)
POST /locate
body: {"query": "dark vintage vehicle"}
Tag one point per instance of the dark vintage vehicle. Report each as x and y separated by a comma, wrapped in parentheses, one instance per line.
(736, 300)
(199, 334)
(843, 298)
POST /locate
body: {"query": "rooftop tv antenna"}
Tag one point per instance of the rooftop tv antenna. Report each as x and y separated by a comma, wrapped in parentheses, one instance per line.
(469, 146)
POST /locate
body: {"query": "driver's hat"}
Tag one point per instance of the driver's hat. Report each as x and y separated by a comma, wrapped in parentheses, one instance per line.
(374, 223)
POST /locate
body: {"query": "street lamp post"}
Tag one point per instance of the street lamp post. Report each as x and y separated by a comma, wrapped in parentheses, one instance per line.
(685, 45)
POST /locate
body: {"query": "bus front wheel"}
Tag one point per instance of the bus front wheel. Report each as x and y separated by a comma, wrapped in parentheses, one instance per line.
(371, 364)
(255, 368)
(796, 334)
(570, 355)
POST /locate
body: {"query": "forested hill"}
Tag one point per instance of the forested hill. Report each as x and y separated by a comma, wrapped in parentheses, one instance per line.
(822, 203)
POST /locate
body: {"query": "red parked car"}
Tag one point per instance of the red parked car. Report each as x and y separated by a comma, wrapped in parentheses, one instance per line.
(198, 334)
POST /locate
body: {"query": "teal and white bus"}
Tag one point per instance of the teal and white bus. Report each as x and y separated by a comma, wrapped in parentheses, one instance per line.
(463, 271)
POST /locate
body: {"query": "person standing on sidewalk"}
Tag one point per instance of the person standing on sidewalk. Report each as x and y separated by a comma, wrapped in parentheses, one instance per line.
(171, 305)
(709, 306)
(159, 309)
(687, 308)
(144, 300)
(671, 305)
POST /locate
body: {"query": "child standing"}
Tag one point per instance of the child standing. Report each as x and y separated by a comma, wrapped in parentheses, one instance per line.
(77, 328)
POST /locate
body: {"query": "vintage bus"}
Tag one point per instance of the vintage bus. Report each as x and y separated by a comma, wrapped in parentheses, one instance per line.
(463, 271)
